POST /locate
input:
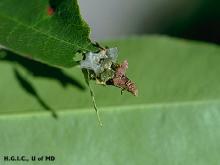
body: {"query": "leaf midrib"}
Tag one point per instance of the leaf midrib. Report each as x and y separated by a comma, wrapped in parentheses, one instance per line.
(43, 33)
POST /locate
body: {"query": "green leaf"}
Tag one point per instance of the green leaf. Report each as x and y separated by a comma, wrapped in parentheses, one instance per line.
(31, 29)
(174, 120)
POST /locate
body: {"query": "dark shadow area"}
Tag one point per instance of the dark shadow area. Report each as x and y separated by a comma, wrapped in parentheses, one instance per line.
(204, 25)
(54, 4)
(38, 69)
(27, 86)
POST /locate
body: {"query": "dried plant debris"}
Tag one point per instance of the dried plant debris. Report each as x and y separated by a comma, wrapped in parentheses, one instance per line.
(120, 79)
(102, 67)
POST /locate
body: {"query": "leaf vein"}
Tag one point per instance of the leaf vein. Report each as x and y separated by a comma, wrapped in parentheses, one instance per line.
(43, 33)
